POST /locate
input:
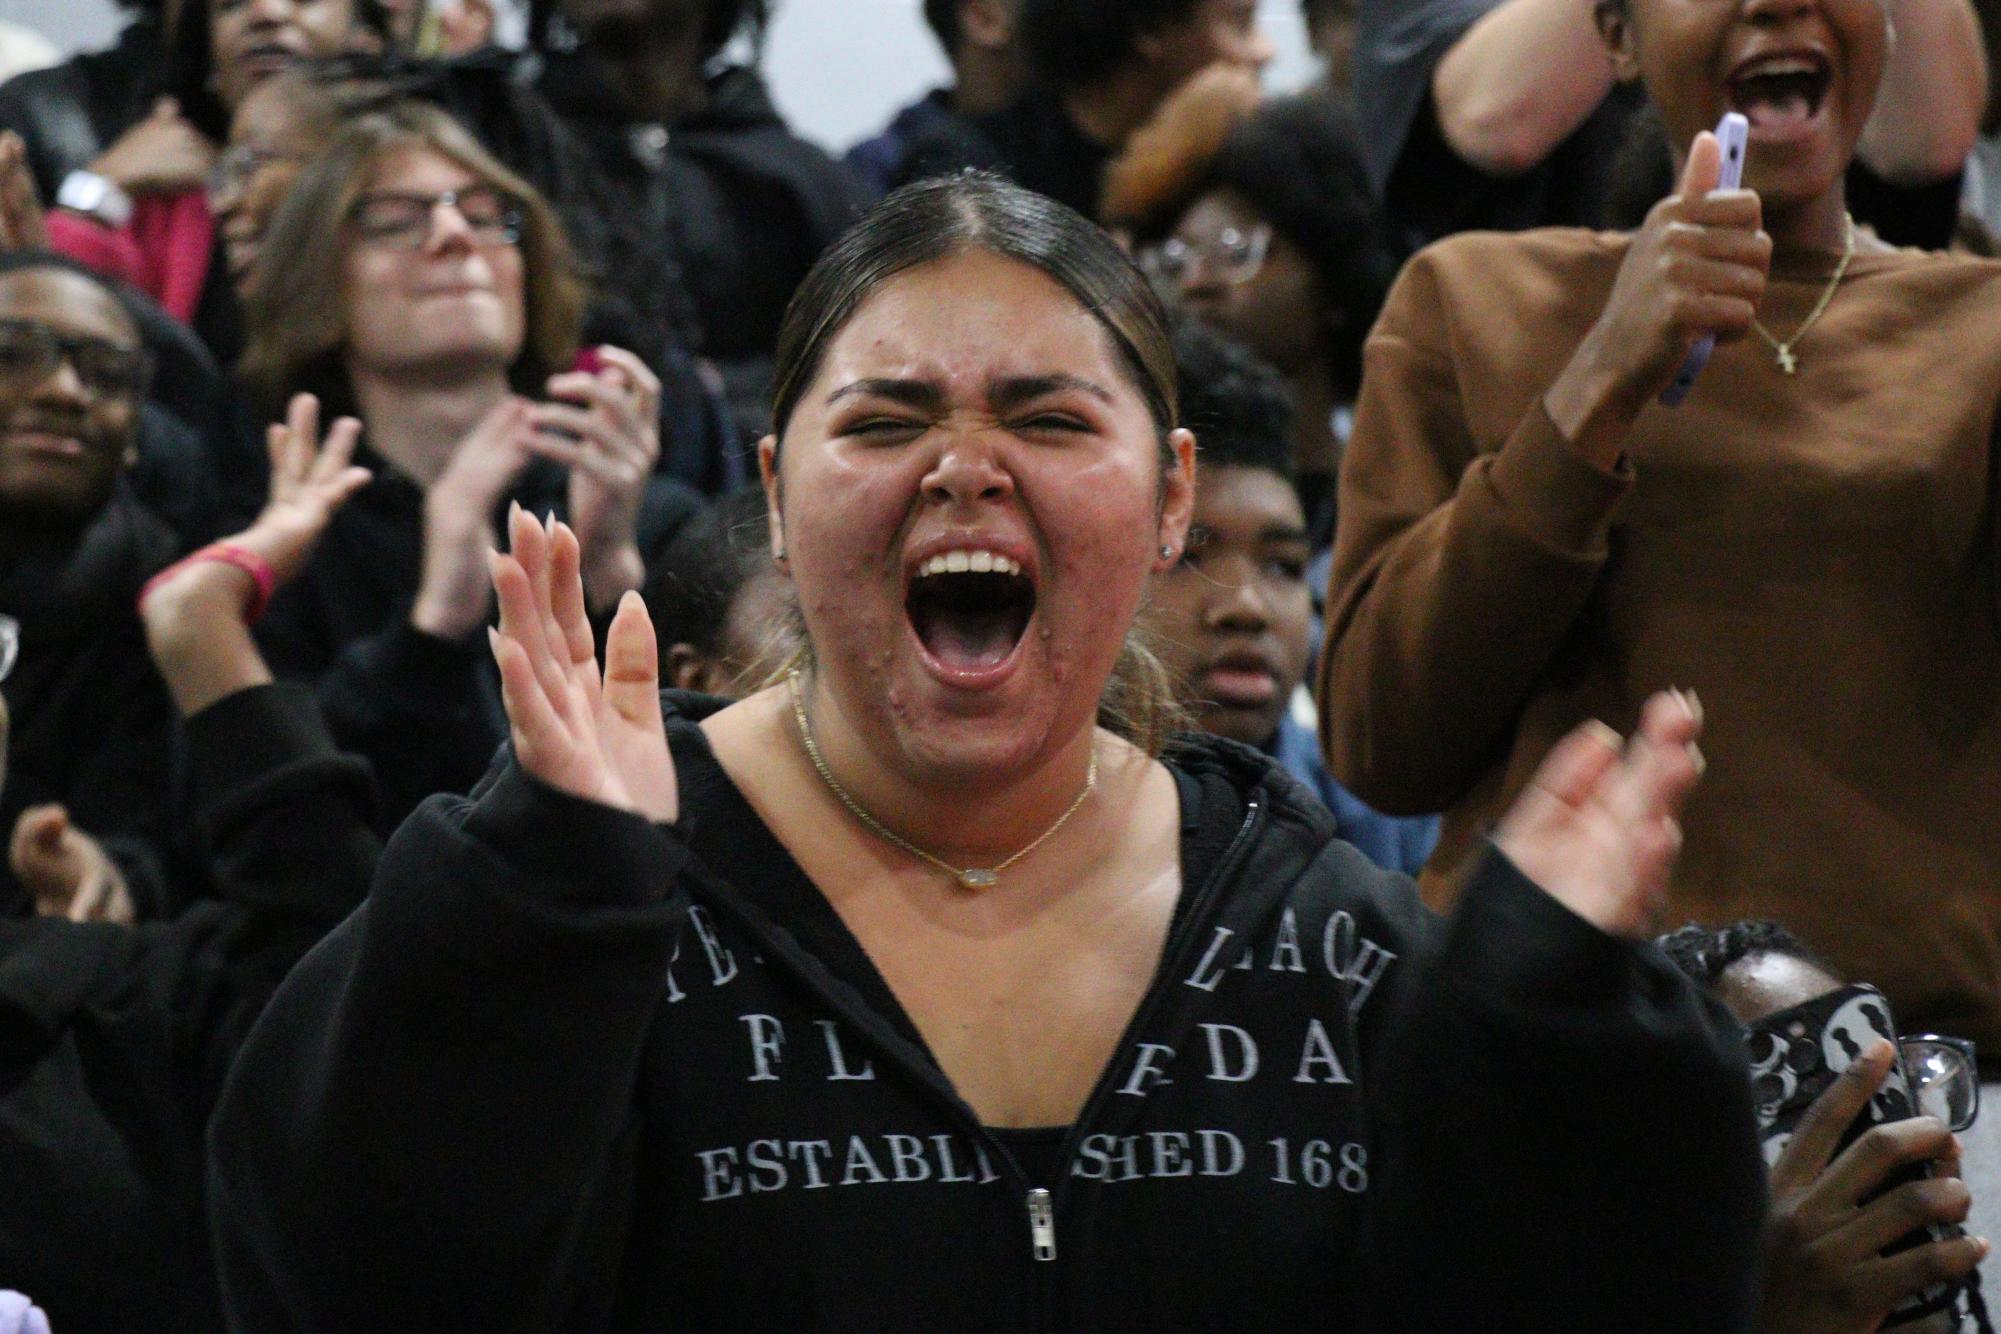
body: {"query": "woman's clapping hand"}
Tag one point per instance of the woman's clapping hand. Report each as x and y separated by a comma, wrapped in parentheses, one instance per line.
(1599, 827)
(596, 737)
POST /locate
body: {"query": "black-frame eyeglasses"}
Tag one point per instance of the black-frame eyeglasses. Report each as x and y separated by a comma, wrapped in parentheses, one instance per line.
(405, 219)
(31, 351)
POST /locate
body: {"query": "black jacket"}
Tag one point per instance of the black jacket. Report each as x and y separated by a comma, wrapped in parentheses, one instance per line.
(746, 205)
(70, 113)
(567, 1070)
(425, 712)
(1032, 141)
(114, 1040)
(93, 727)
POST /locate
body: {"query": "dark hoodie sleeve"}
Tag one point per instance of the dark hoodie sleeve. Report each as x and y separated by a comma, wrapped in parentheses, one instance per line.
(409, 702)
(432, 1125)
(285, 815)
(1564, 1130)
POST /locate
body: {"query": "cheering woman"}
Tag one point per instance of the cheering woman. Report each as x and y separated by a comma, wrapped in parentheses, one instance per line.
(1529, 538)
(923, 989)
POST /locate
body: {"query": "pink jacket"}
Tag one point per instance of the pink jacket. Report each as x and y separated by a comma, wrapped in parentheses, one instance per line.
(163, 251)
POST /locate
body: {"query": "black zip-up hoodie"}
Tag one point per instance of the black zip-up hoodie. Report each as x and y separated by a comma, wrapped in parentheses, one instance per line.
(568, 1070)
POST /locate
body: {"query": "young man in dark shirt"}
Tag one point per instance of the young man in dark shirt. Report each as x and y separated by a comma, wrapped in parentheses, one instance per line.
(701, 154)
(1233, 621)
(114, 1040)
(1104, 67)
(93, 730)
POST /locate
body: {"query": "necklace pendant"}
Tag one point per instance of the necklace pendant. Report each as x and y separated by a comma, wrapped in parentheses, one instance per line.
(978, 877)
(1787, 361)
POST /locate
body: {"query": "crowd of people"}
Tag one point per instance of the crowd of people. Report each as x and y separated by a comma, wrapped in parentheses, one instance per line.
(1087, 717)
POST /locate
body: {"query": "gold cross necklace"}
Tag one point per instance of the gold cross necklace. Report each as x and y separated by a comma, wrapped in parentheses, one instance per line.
(1789, 361)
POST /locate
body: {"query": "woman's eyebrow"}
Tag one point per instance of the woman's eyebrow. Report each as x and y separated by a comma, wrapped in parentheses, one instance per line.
(911, 393)
(1016, 390)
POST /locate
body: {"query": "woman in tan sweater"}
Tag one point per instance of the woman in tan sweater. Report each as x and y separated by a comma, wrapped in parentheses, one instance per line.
(1529, 538)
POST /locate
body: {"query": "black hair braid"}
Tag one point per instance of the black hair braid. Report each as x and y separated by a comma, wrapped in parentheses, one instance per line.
(1703, 953)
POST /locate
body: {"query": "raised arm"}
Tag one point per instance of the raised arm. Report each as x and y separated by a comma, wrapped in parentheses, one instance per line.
(197, 613)
(1557, 1088)
(1520, 81)
(473, 1033)
(1458, 573)
(1933, 94)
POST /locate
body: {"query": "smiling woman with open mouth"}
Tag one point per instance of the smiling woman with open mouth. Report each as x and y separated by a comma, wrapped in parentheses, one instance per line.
(924, 989)
(1532, 534)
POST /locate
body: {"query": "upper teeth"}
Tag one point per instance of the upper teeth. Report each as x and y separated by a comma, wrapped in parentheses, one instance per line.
(968, 562)
(1779, 65)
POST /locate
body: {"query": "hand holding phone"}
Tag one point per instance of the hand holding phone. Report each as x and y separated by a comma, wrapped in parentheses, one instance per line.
(1693, 275)
(1852, 1167)
(1733, 133)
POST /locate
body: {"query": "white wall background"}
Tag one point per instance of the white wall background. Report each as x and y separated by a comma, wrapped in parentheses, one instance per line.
(839, 68)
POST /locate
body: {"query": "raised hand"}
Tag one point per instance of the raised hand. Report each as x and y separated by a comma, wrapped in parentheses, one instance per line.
(1825, 1272)
(196, 614)
(1598, 827)
(1164, 159)
(599, 739)
(453, 591)
(162, 153)
(66, 870)
(21, 226)
(1697, 266)
(606, 428)
(310, 479)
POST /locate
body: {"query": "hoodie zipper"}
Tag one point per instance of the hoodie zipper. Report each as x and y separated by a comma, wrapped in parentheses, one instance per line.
(1041, 1224)
(1041, 1202)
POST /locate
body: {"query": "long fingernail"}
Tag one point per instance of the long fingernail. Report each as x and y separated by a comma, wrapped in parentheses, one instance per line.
(1605, 732)
(1695, 706)
(513, 512)
(493, 639)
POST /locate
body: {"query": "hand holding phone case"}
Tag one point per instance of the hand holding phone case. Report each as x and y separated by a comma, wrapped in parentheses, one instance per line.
(1796, 1054)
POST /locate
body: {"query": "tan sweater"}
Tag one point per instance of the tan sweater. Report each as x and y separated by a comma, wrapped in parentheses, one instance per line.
(1814, 554)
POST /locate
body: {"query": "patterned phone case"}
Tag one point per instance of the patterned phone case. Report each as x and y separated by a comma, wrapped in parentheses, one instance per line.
(1795, 1054)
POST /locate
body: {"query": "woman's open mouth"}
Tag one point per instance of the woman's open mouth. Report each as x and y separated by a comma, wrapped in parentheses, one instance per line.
(1782, 95)
(970, 609)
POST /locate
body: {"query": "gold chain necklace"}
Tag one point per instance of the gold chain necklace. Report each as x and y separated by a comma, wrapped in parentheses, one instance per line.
(970, 877)
(1788, 362)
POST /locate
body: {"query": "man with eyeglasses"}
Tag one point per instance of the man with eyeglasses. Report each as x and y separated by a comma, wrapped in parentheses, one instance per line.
(92, 739)
(1835, 1255)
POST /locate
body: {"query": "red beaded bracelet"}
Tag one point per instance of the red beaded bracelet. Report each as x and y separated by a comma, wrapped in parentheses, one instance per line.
(228, 553)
